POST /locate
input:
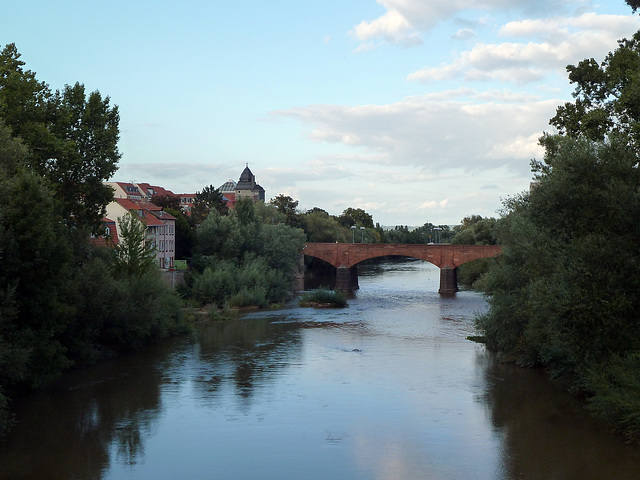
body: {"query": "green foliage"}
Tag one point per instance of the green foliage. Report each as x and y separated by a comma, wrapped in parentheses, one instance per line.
(242, 258)
(617, 392)
(320, 227)
(427, 233)
(143, 309)
(286, 206)
(475, 230)
(60, 305)
(185, 234)
(357, 217)
(208, 200)
(72, 138)
(469, 273)
(248, 298)
(564, 293)
(134, 255)
(607, 96)
(324, 297)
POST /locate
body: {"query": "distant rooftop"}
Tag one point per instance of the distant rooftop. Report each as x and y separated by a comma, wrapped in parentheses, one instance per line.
(227, 187)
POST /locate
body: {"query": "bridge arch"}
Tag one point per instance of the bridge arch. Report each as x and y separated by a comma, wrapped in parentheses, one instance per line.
(346, 256)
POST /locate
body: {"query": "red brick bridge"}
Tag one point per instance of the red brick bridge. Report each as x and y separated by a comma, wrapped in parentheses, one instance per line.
(346, 256)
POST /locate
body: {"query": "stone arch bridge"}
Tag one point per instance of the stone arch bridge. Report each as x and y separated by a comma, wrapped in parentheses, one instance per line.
(346, 256)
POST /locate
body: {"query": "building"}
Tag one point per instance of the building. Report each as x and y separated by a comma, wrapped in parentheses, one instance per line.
(161, 227)
(109, 238)
(247, 187)
(228, 191)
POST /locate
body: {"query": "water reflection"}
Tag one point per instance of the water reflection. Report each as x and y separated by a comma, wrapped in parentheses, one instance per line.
(547, 433)
(67, 432)
(245, 353)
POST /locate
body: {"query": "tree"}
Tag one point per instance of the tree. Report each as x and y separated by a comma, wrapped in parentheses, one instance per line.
(355, 216)
(134, 255)
(288, 207)
(167, 202)
(72, 138)
(564, 292)
(185, 235)
(285, 204)
(607, 96)
(321, 227)
(35, 274)
(244, 261)
(634, 4)
(207, 200)
(475, 230)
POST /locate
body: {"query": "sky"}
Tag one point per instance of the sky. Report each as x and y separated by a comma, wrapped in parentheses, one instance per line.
(414, 110)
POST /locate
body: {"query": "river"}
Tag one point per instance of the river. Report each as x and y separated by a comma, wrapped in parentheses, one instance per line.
(388, 388)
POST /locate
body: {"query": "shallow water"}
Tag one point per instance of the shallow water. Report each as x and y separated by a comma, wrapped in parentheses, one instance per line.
(389, 388)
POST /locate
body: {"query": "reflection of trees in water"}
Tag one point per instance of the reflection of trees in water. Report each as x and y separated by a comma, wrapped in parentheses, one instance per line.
(546, 433)
(248, 353)
(73, 425)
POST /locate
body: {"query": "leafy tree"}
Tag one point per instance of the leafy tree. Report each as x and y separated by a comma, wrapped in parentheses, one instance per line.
(607, 96)
(475, 230)
(134, 255)
(355, 216)
(207, 200)
(243, 260)
(316, 210)
(288, 207)
(72, 138)
(167, 202)
(634, 4)
(285, 204)
(185, 234)
(564, 293)
(34, 275)
(319, 226)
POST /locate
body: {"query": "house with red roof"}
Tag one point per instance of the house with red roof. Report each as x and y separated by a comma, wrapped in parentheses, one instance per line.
(109, 237)
(161, 226)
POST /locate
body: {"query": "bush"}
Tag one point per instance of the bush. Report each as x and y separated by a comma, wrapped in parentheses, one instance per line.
(249, 298)
(616, 393)
(323, 297)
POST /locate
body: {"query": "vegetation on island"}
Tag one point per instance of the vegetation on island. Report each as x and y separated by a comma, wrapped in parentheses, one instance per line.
(245, 258)
(565, 293)
(323, 298)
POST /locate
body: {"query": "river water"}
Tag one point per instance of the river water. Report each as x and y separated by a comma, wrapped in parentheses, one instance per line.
(388, 388)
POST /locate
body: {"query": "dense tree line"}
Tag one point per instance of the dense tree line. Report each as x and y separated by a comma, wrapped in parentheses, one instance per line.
(62, 301)
(565, 294)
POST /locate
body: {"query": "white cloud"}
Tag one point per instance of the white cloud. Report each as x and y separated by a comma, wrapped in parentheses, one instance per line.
(404, 20)
(453, 129)
(464, 34)
(523, 63)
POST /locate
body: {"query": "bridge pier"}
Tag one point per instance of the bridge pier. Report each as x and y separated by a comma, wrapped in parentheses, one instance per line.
(448, 281)
(347, 278)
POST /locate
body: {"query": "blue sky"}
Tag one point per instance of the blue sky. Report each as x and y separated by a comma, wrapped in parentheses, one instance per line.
(414, 110)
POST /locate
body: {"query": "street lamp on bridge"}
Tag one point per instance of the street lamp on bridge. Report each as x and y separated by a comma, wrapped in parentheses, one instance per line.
(353, 234)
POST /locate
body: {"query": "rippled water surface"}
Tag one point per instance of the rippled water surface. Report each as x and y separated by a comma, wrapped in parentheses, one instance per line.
(389, 388)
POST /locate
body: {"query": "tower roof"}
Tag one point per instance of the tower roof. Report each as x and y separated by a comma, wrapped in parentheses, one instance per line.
(247, 180)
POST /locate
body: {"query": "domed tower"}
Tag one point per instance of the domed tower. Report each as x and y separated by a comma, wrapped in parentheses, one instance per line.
(247, 186)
